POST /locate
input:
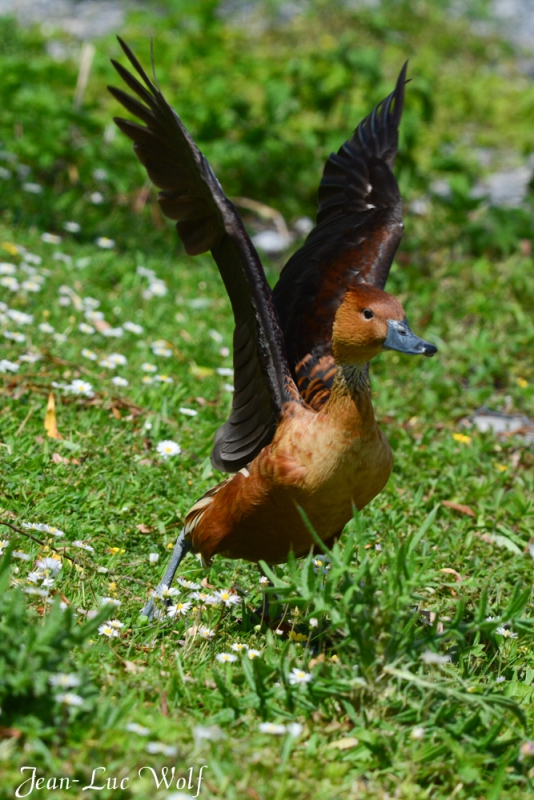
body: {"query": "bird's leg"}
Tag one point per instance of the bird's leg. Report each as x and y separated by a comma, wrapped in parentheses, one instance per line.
(266, 605)
(181, 548)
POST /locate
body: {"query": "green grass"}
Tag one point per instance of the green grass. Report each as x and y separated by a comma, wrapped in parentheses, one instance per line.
(380, 715)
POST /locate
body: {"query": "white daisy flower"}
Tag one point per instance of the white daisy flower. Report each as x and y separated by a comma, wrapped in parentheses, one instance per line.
(7, 269)
(225, 658)
(15, 336)
(80, 387)
(168, 448)
(118, 359)
(50, 238)
(32, 188)
(72, 227)
(118, 381)
(502, 631)
(205, 633)
(84, 327)
(157, 288)
(272, 728)
(238, 647)
(140, 730)
(163, 379)
(294, 729)
(20, 317)
(86, 353)
(31, 258)
(52, 565)
(115, 623)
(64, 680)
(107, 630)
(10, 283)
(428, 657)
(226, 371)
(69, 699)
(41, 526)
(200, 597)
(165, 592)
(252, 654)
(94, 316)
(30, 358)
(8, 366)
(147, 380)
(188, 412)
(97, 198)
(186, 584)
(224, 596)
(179, 609)
(148, 367)
(132, 327)
(298, 676)
(45, 327)
(18, 554)
(110, 601)
(112, 333)
(79, 543)
(146, 273)
(162, 351)
(153, 558)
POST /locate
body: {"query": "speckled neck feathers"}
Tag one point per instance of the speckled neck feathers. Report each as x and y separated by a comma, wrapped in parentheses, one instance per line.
(352, 378)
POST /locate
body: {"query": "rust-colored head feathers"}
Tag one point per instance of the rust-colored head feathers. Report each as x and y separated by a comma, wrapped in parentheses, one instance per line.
(369, 321)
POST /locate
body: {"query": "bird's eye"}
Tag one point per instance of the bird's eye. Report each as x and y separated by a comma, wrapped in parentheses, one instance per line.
(368, 314)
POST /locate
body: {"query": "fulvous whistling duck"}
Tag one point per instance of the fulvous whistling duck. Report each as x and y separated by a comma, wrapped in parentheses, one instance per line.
(302, 432)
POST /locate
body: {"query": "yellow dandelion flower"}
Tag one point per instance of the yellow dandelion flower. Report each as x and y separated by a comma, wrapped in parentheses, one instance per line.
(522, 383)
(11, 248)
(461, 437)
(115, 550)
(297, 637)
(500, 467)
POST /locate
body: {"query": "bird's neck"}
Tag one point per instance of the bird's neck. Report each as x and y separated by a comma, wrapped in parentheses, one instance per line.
(351, 395)
(352, 379)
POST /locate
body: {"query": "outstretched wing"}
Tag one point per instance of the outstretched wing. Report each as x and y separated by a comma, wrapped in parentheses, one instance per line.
(207, 220)
(359, 227)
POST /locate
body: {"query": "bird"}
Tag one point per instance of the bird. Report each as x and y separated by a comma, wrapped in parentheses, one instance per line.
(301, 442)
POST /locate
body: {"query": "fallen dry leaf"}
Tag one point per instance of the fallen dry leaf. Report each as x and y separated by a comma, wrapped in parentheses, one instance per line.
(9, 733)
(57, 458)
(142, 528)
(133, 666)
(116, 413)
(343, 744)
(463, 509)
(451, 571)
(50, 419)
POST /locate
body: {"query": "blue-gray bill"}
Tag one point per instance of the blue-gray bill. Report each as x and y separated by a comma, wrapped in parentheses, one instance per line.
(401, 337)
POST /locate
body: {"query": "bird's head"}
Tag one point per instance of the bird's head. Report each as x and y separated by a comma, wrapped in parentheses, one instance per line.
(369, 321)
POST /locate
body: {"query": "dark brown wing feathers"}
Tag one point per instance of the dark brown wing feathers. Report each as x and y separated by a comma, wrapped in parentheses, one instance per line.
(207, 220)
(288, 336)
(359, 227)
